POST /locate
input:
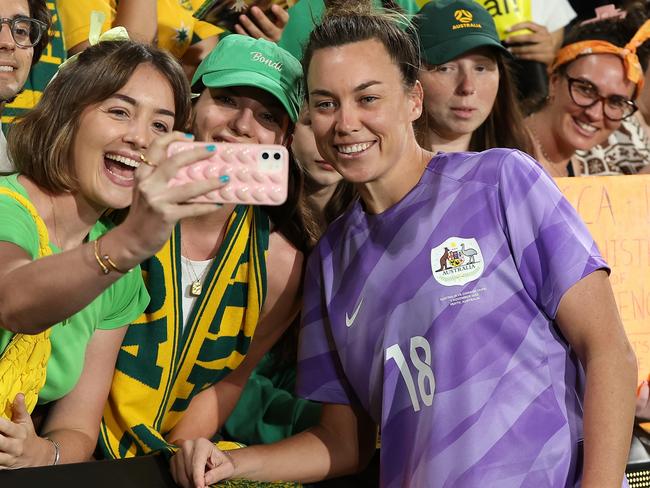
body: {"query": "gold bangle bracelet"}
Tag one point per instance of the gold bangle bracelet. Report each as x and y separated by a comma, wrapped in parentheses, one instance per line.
(103, 267)
(112, 264)
(104, 259)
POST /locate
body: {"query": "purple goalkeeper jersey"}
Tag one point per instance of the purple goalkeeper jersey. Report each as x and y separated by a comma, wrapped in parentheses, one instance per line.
(436, 316)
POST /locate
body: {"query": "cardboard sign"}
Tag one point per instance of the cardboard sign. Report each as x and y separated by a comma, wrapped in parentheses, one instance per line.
(617, 212)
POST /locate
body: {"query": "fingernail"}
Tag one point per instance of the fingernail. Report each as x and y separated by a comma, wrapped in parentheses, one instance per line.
(224, 178)
(211, 147)
(189, 136)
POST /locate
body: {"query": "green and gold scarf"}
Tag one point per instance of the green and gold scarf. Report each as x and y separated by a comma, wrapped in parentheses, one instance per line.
(161, 365)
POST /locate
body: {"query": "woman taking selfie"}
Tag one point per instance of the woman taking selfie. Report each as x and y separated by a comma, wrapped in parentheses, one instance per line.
(79, 153)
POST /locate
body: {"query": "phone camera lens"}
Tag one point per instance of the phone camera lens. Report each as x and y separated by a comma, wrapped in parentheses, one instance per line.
(277, 156)
(265, 155)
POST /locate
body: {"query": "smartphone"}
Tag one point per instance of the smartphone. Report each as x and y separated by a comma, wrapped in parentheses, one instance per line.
(225, 13)
(259, 173)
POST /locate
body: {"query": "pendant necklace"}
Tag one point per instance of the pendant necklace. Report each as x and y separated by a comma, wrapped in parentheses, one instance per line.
(539, 144)
(65, 321)
(196, 285)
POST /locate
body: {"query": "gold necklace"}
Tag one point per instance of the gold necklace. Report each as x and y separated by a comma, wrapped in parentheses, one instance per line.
(552, 167)
(539, 144)
(56, 230)
(196, 287)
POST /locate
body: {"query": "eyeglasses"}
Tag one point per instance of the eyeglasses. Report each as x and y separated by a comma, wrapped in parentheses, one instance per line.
(25, 31)
(585, 95)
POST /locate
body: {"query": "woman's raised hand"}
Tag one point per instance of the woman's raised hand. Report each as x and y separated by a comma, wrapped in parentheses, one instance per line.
(156, 207)
(263, 27)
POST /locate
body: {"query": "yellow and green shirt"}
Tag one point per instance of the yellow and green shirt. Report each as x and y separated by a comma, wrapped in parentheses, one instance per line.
(177, 29)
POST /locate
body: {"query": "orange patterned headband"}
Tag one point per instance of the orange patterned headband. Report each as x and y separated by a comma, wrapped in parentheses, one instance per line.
(631, 62)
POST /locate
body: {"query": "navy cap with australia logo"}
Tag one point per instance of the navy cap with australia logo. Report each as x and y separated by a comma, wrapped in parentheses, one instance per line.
(449, 28)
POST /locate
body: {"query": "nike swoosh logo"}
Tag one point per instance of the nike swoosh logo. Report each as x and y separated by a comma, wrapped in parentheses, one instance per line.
(350, 320)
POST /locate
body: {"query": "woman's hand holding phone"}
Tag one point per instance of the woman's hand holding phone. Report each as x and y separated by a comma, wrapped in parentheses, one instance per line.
(263, 26)
(156, 207)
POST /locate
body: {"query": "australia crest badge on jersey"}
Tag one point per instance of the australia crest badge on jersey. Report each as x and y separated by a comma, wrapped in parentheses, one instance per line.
(457, 261)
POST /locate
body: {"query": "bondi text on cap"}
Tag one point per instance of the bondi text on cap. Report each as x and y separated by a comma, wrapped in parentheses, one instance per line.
(259, 57)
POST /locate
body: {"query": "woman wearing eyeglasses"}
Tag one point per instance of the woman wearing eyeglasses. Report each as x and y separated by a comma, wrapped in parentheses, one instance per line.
(627, 150)
(23, 37)
(594, 80)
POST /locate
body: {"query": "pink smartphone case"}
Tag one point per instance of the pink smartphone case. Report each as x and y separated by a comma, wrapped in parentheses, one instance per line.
(259, 174)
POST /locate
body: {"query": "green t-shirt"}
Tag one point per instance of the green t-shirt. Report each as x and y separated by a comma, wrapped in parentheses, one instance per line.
(305, 14)
(118, 305)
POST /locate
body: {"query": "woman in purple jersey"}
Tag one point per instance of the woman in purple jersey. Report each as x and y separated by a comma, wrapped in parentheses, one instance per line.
(457, 305)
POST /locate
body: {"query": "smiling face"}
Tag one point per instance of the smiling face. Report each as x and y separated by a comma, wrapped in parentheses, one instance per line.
(577, 127)
(15, 61)
(320, 172)
(113, 133)
(240, 114)
(459, 95)
(362, 117)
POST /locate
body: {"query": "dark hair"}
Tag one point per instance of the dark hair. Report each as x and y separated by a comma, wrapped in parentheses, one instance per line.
(346, 23)
(314, 224)
(616, 31)
(38, 10)
(40, 142)
(291, 220)
(310, 227)
(504, 126)
(287, 218)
